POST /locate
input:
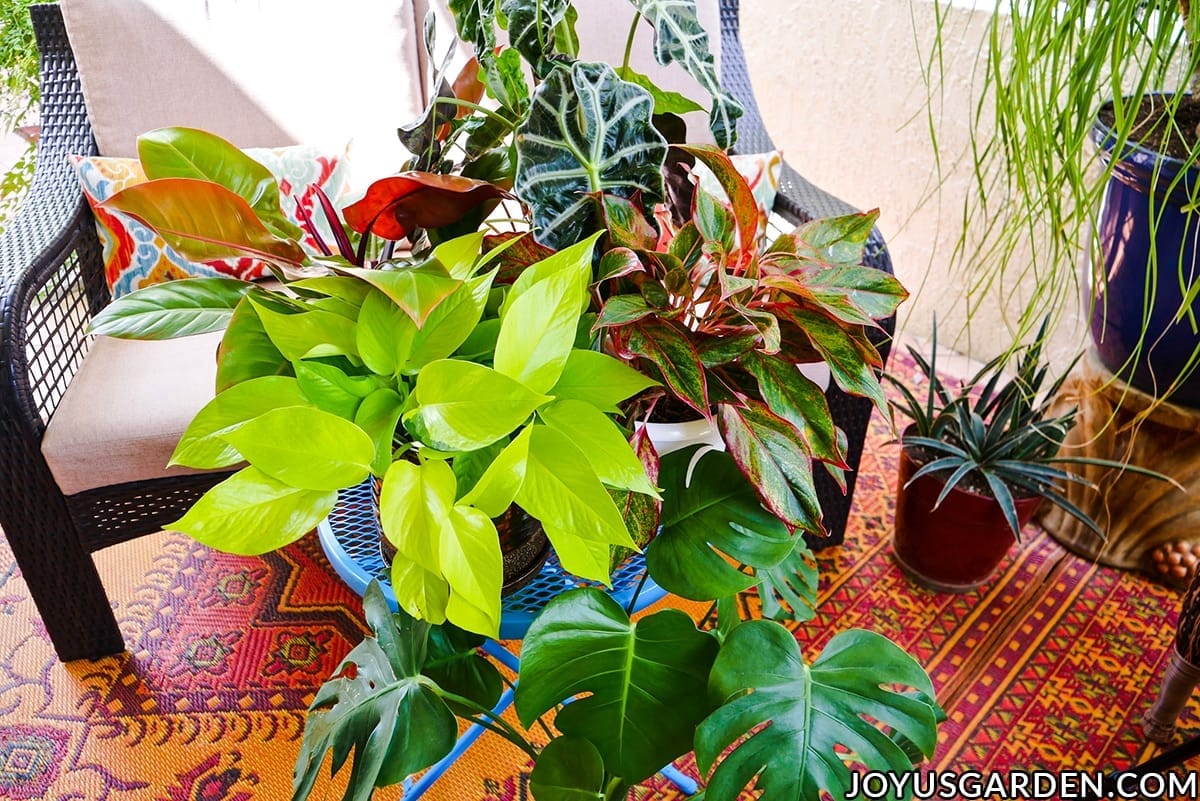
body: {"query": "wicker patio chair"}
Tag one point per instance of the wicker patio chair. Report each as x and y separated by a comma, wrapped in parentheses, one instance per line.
(52, 284)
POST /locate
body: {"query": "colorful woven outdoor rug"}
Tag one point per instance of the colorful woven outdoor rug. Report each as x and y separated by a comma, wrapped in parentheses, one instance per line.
(1050, 666)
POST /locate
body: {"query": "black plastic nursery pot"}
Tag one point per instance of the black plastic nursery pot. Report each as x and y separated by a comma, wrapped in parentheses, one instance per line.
(1148, 246)
(957, 546)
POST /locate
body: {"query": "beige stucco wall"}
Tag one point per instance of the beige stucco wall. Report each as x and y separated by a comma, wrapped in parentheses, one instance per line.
(841, 90)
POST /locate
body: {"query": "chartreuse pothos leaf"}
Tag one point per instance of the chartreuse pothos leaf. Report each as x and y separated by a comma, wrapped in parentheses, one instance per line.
(246, 351)
(562, 491)
(599, 379)
(305, 447)
(647, 680)
(307, 334)
(172, 309)
(378, 415)
(330, 389)
(538, 331)
(384, 335)
(414, 501)
(680, 37)
(716, 515)
(568, 769)
(417, 290)
(497, 488)
(201, 445)
(472, 564)
(463, 406)
(251, 513)
(379, 705)
(771, 454)
(191, 153)
(576, 260)
(422, 593)
(449, 325)
(806, 712)
(458, 256)
(587, 132)
(606, 449)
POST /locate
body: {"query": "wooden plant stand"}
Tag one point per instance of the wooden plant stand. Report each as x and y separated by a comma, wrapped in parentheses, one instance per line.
(1151, 525)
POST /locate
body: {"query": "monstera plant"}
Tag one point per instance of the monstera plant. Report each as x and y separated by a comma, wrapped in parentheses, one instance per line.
(485, 367)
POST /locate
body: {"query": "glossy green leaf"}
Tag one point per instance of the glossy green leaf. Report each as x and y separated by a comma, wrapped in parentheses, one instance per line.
(497, 488)
(458, 256)
(794, 397)
(599, 379)
(414, 503)
(330, 389)
(575, 260)
(454, 662)
(305, 447)
(384, 335)
(717, 515)
(191, 153)
(378, 415)
(537, 331)
(379, 705)
(506, 81)
(644, 683)
(172, 309)
(464, 406)
(788, 590)
(204, 221)
(770, 453)
(568, 769)
(531, 28)
(308, 334)
(784, 719)
(251, 513)
(676, 358)
(421, 593)
(562, 491)
(417, 290)
(202, 445)
(469, 466)
(472, 564)
(606, 449)
(449, 325)
(665, 101)
(680, 38)
(588, 132)
(246, 351)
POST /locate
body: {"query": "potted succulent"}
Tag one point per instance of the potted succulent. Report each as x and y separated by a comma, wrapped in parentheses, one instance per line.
(524, 309)
(975, 464)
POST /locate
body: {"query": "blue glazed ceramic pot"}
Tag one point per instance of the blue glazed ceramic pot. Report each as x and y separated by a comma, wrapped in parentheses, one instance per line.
(1144, 213)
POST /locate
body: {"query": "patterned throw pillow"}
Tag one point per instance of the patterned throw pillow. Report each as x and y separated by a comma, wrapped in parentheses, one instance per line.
(135, 256)
(761, 171)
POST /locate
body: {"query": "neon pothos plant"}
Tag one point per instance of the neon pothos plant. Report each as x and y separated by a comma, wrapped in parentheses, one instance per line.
(461, 396)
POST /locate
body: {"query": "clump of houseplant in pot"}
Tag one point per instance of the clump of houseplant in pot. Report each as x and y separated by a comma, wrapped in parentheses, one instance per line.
(976, 462)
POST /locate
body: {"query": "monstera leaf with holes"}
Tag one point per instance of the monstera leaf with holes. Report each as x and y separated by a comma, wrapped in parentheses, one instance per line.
(647, 680)
(680, 38)
(784, 719)
(588, 132)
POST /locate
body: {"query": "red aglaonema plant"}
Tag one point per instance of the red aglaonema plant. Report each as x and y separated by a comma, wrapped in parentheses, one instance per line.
(722, 323)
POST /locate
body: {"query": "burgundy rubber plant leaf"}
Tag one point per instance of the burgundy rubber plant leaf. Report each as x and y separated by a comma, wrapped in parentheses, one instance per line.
(394, 206)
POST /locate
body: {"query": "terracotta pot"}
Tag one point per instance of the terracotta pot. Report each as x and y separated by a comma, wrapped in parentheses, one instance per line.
(956, 547)
(524, 546)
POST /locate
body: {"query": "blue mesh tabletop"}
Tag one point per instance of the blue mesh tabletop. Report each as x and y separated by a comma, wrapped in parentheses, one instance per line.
(350, 538)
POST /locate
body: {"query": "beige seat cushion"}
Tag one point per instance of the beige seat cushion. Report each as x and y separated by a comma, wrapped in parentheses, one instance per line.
(126, 409)
(262, 74)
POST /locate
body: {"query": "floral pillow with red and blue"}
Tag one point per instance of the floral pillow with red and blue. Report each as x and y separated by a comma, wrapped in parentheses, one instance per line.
(135, 256)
